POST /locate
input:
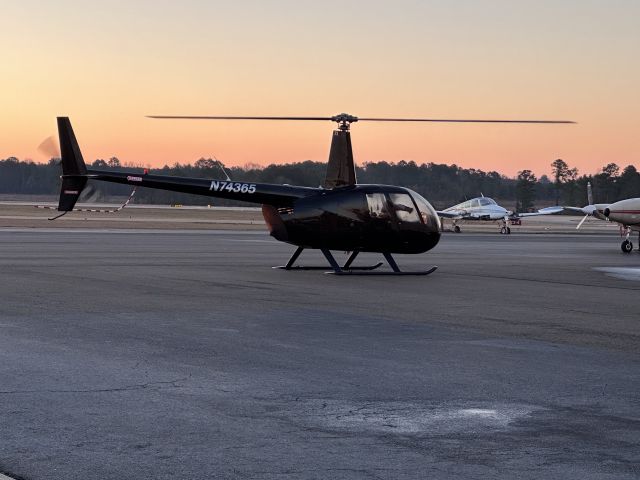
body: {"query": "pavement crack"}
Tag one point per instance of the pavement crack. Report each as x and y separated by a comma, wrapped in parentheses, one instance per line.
(137, 386)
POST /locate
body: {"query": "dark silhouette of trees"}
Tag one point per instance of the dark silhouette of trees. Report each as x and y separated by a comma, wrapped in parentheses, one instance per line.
(564, 181)
(607, 183)
(525, 190)
(629, 183)
(559, 169)
(443, 185)
(28, 177)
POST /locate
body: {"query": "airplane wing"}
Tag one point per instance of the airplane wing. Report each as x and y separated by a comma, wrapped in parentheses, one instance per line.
(454, 214)
(572, 210)
(588, 210)
(542, 211)
(593, 210)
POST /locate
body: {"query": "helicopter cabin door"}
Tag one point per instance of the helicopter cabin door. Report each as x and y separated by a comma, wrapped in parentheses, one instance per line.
(381, 228)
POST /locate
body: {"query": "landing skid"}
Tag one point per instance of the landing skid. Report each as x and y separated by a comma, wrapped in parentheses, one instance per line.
(302, 267)
(347, 269)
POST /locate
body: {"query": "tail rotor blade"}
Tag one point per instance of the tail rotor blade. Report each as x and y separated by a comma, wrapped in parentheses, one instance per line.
(90, 194)
(49, 147)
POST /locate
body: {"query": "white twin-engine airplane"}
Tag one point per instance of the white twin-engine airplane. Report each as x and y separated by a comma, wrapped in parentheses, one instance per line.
(485, 208)
(627, 214)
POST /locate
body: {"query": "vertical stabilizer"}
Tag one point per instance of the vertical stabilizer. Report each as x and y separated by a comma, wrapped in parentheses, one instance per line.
(74, 170)
(341, 170)
(589, 194)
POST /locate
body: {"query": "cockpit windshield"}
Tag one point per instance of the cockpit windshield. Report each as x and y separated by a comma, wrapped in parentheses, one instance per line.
(487, 201)
(403, 206)
(474, 203)
(427, 212)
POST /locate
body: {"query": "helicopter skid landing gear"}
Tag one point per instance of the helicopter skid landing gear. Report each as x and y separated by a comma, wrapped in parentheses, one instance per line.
(352, 271)
(347, 269)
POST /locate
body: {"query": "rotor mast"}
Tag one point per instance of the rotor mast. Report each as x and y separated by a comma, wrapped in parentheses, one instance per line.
(341, 169)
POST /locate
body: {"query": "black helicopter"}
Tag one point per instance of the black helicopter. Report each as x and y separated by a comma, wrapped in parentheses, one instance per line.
(340, 215)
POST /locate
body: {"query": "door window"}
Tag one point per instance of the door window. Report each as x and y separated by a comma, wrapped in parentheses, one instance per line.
(377, 205)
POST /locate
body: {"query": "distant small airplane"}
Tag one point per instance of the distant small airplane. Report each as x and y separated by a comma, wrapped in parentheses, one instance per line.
(485, 208)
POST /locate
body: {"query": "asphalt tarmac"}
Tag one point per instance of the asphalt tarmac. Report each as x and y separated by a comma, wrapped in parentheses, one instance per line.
(165, 354)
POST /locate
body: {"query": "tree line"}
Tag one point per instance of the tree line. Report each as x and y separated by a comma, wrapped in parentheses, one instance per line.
(442, 184)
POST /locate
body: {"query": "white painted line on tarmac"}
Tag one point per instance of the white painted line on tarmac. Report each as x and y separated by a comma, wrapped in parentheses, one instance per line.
(138, 220)
(624, 273)
(251, 241)
(143, 206)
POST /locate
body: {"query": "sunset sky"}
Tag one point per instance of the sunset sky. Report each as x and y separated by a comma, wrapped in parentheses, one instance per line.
(108, 64)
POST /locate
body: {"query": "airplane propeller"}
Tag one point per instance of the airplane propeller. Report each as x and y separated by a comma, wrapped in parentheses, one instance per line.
(589, 209)
(582, 221)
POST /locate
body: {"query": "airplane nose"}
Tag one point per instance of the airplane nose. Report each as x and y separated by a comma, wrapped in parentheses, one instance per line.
(606, 212)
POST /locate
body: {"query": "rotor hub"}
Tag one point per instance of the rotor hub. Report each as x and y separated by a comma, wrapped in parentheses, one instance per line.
(344, 120)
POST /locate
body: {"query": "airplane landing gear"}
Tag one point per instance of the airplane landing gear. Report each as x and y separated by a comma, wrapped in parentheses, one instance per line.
(505, 229)
(627, 246)
(456, 228)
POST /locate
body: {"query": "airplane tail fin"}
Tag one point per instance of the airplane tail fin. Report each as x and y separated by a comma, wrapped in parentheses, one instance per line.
(74, 170)
(589, 194)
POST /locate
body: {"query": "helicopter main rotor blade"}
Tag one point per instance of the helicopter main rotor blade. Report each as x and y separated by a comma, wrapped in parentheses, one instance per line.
(351, 119)
(196, 117)
(458, 120)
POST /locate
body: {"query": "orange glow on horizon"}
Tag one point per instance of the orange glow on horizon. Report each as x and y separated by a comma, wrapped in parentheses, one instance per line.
(107, 68)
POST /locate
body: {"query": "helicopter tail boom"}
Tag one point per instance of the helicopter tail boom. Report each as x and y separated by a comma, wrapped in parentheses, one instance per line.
(75, 176)
(259, 193)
